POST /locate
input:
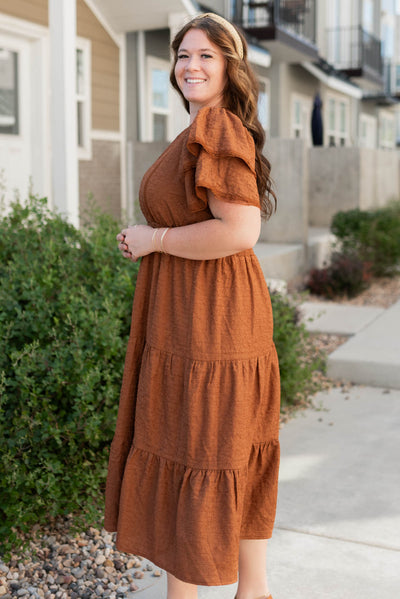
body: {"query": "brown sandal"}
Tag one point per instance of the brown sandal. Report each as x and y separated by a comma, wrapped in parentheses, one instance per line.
(269, 597)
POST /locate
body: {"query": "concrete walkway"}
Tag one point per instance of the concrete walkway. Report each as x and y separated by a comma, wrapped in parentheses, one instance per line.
(338, 319)
(337, 532)
(371, 356)
(338, 519)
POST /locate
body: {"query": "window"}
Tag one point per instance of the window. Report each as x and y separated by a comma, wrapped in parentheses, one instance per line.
(331, 121)
(301, 117)
(387, 130)
(297, 125)
(337, 121)
(397, 76)
(263, 103)
(368, 15)
(388, 40)
(83, 101)
(368, 128)
(159, 118)
(342, 123)
(9, 112)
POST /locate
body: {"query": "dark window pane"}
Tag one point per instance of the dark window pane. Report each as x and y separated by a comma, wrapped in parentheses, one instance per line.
(80, 77)
(80, 120)
(9, 121)
(159, 127)
(160, 87)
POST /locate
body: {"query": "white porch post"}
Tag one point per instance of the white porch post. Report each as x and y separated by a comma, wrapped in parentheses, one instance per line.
(65, 187)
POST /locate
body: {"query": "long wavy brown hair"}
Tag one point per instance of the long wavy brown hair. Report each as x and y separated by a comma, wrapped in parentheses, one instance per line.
(240, 97)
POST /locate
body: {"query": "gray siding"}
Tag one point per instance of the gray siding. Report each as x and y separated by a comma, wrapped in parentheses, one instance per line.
(157, 43)
(132, 88)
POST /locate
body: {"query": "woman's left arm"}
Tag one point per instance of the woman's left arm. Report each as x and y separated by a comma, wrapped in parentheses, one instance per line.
(234, 228)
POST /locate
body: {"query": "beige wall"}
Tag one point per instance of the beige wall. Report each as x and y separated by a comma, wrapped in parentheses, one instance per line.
(101, 177)
(144, 155)
(347, 178)
(105, 70)
(105, 56)
(289, 162)
(369, 108)
(286, 80)
(30, 10)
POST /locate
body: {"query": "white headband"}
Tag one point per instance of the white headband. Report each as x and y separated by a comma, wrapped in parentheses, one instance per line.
(229, 27)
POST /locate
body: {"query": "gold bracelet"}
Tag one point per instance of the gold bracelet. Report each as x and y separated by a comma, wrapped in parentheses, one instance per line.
(162, 239)
(153, 239)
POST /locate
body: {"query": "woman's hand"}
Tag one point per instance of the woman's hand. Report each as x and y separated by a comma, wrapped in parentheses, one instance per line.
(135, 241)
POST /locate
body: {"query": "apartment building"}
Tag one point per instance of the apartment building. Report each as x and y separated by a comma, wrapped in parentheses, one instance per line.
(390, 20)
(332, 48)
(341, 54)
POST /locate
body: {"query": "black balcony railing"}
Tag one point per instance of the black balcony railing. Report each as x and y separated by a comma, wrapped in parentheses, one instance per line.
(353, 49)
(295, 16)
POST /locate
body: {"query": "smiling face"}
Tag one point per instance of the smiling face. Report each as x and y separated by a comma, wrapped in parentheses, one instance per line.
(200, 71)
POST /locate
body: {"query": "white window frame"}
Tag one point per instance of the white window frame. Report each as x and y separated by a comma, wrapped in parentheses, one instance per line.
(163, 65)
(369, 139)
(264, 81)
(387, 130)
(302, 129)
(335, 134)
(85, 98)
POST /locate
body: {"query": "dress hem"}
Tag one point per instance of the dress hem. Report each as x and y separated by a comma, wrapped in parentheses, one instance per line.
(256, 537)
(173, 571)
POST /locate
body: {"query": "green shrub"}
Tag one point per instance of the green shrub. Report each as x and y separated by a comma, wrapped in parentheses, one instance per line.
(297, 360)
(346, 275)
(65, 304)
(373, 235)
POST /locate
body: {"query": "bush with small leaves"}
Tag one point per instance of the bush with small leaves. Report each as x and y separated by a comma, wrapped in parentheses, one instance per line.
(297, 364)
(65, 305)
(373, 235)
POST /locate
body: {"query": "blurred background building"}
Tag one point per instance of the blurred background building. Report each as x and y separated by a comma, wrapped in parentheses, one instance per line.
(86, 105)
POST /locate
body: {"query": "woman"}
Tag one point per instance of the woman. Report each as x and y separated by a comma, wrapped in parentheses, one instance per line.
(194, 461)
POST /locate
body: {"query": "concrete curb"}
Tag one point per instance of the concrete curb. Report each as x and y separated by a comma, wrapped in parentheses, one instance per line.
(372, 356)
(337, 319)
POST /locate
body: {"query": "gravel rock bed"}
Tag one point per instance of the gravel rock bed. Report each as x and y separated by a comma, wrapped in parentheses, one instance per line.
(60, 565)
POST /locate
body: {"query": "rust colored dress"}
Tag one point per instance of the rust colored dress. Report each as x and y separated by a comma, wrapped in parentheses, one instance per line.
(194, 461)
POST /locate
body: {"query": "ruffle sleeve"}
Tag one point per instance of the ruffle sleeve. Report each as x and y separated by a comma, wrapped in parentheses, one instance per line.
(220, 157)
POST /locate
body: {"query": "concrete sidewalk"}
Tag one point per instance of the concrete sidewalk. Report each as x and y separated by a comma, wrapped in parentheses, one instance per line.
(337, 319)
(338, 519)
(338, 522)
(371, 356)
(337, 532)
